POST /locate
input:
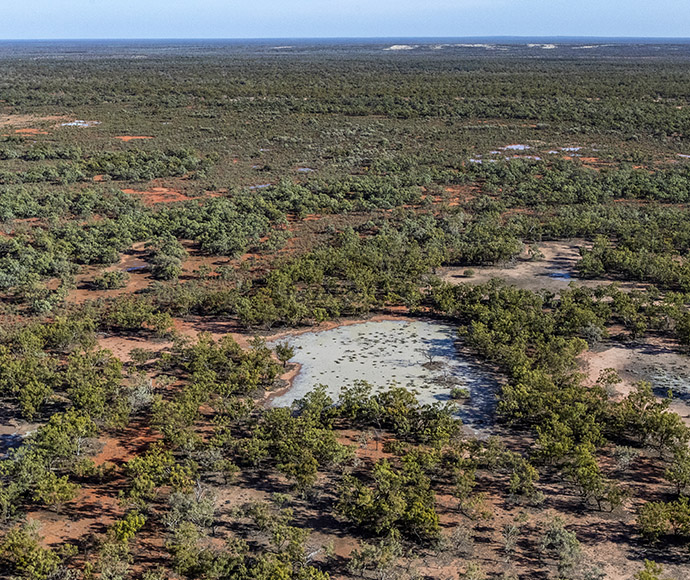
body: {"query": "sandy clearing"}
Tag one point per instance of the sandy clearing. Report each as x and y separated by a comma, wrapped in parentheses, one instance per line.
(190, 327)
(19, 121)
(133, 261)
(554, 272)
(91, 512)
(158, 195)
(655, 360)
(457, 194)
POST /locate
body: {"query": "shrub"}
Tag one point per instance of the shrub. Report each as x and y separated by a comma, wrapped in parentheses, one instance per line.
(110, 280)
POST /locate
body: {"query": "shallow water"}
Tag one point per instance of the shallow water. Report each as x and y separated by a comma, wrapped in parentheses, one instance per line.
(393, 353)
(8, 442)
(80, 123)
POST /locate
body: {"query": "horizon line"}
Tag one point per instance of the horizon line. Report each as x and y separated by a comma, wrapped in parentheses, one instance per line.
(387, 37)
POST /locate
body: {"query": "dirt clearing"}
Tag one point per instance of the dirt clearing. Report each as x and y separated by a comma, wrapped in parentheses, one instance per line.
(657, 361)
(554, 271)
(127, 138)
(158, 195)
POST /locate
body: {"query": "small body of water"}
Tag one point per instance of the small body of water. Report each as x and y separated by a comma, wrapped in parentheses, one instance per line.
(81, 123)
(419, 355)
(9, 441)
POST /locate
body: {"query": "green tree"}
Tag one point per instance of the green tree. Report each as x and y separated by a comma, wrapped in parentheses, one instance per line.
(397, 502)
(125, 529)
(284, 352)
(54, 491)
(679, 471)
(651, 571)
(22, 555)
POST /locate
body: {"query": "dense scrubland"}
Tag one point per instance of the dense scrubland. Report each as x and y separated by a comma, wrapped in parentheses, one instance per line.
(275, 192)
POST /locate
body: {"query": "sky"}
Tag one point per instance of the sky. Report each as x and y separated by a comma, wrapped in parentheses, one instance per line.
(52, 19)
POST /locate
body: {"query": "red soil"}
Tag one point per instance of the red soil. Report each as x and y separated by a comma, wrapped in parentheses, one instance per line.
(127, 138)
(91, 512)
(158, 195)
(28, 131)
(458, 194)
(97, 506)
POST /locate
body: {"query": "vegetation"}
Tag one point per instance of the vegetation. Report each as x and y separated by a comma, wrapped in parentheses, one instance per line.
(147, 288)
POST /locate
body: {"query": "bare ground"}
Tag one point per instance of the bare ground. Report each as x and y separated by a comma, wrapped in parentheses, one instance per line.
(656, 360)
(554, 272)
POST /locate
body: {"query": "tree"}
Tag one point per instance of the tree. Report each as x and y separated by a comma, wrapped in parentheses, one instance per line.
(93, 382)
(563, 544)
(584, 471)
(114, 561)
(61, 441)
(657, 519)
(108, 280)
(22, 555)
(679, 471)
(299, 445)
(653, 520)
(398, 502)
(640, 413)
(197, 507)
(284, 352)
(54, 491)
(154, 469)
(125, 529)
(380, 558)
(651, 571)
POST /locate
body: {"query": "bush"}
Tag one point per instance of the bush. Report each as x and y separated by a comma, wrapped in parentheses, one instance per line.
(457, 393)
(22, 555)
(397, 502)
(110, 280)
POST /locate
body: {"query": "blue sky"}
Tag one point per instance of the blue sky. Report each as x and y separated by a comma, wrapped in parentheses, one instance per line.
(340, 18)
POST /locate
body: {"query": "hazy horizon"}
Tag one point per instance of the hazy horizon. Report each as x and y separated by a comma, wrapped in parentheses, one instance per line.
(309, 19)
(505, 37)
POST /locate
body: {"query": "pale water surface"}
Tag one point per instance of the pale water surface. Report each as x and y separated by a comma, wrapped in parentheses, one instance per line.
(394, 353)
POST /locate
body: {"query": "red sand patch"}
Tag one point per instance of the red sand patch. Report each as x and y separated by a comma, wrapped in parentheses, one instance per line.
(91, 512)
(127, 138)
(158, 195)
(457, 194)
(29, 131)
